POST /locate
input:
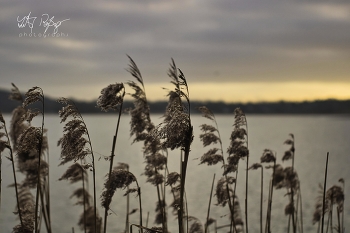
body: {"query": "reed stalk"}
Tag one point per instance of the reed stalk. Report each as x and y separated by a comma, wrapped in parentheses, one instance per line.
(111, 160)
(324, 193)
(33, 95)
(208, 213)
(8, 146)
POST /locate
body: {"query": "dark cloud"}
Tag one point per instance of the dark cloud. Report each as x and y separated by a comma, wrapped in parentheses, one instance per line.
(222, 40)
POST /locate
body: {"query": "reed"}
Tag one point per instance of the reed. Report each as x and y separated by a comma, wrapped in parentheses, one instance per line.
(176, 131)
(27, 148)
(111, 97)
(143, 130)
(256, 166)
(211, 135)
(76, 145)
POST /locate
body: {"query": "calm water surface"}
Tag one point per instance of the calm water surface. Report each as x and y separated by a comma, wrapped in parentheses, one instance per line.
(315, 135)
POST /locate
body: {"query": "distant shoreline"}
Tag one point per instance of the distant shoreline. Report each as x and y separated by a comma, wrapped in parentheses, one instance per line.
(330, 106)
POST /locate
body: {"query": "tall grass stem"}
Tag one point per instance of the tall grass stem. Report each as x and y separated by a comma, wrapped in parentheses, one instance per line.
(324, 193)
(111, 162)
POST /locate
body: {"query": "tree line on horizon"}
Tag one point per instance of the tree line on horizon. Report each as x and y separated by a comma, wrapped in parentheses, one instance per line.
(329, 106)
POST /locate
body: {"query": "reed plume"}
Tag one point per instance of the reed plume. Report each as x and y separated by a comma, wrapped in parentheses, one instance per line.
(111, 98)
(125, 166)
(76, 145)
(27, 208)
(5, 143)
(256, 166)
(119, 179)
(289, 154)
(196, 225)
(16, 94)
(174, 181)
(269, 156)
(74, 142)
(143, 130)
(318, 208)
(31, 147)
(211, 135)
(334, 196)
(238, 143)
(26, 161)
(223, 191)
(237, 150)
(74, 173)
(176, 130)
(93, 223)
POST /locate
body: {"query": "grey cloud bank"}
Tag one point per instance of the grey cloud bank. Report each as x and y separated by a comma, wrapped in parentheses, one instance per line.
(220, 41)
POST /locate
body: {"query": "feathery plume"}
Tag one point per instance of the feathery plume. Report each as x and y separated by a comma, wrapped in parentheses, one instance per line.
(335, 195)
(27, 207)
(318, 206)
(196, 225)
(90, 221)
(79, 194)
(211, 157)
(255, 166)
(111, 97)
(238, 142)
(268, 156)
(176, 130)
(118, 179)
(18, 125)
(34, 94)
(160, 218)
(15, 94)
(238, 223)
(221, 192)
(74, 142)
(74, 173)
(289, 154)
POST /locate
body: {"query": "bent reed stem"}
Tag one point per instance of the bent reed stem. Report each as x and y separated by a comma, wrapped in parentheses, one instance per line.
(111, 162)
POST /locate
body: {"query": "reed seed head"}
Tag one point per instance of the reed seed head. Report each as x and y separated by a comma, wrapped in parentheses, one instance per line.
(268, 156)
(335, 195)
(172, 178)
(33, 95)
(111, 97)
(27, 206)
(118, 179)
(74, 142)
(289, 209)
(211, 157)
(79, 194)
(196, 225)
(255, 166)
(222, 190)
(15, 94)
(206, 113)
(18, 125)
(74, 173)
(89, 215)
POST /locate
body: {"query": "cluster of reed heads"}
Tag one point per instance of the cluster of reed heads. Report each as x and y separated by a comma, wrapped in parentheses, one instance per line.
(27, 149)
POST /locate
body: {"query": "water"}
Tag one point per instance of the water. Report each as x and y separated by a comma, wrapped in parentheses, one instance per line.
(315, 135)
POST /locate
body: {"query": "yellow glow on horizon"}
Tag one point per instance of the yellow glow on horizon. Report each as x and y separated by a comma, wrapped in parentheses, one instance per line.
(257, 91)
(227, 92)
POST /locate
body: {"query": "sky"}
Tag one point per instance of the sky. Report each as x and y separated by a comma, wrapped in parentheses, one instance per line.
(229, 50)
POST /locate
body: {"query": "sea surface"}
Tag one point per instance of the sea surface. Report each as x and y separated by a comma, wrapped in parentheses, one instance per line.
(315, 135)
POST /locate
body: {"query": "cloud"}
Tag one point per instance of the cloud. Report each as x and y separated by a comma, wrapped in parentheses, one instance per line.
(224, 40)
